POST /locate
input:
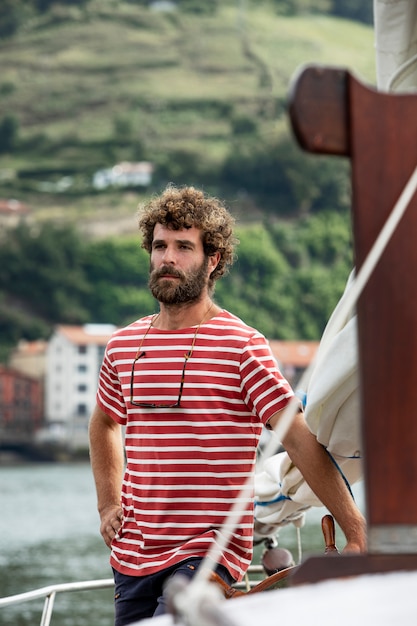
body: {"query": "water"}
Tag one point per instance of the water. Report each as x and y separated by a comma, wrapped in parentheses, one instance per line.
(49, 533)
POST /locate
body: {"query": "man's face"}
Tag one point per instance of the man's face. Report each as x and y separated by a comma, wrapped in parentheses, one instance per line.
(179, 267)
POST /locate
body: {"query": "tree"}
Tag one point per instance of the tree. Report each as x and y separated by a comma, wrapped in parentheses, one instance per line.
(12, 15)
(41, 268)
(255, 288)
(207, 7)
(294, 7)
(117, 271)
(43, 6)
(353, 10)
(9, 128)
(284, 179)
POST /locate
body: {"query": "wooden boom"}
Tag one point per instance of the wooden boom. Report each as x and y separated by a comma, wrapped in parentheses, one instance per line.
(332, 113)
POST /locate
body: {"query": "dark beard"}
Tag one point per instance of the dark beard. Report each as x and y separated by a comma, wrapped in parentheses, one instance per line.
(188, 290)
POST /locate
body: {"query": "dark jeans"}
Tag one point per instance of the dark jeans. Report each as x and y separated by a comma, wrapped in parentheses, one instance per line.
(141, 597)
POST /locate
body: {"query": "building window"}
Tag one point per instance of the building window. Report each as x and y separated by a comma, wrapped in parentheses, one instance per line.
(82, 349)
(82, 388)
(82, 409)
(82, 368)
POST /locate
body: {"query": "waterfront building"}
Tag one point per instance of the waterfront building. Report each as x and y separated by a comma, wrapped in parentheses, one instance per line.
(73, 359)
(21, 407)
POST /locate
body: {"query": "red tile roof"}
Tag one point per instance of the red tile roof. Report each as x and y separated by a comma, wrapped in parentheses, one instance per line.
(90, 334)
(13, 207)
(31, 348)
(296, 353)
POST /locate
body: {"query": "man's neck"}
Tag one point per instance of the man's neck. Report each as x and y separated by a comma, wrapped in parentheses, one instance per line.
(175, 316)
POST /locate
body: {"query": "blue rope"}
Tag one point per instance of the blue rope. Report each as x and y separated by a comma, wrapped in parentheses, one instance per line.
(345, 480)
(303, 397)
(280, 498)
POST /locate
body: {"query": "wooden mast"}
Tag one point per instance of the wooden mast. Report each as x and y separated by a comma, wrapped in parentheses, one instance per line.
(333, 113)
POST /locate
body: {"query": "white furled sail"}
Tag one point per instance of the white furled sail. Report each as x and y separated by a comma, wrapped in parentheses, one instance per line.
(332, 413)
(396, 44)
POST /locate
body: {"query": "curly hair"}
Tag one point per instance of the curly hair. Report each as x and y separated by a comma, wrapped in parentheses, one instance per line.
(185, 207)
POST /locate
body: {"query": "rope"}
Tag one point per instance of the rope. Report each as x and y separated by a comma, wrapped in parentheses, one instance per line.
(299, 544)
(339, 469)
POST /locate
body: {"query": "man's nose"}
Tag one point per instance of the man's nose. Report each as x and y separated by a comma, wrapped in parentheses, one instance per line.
(169, 255)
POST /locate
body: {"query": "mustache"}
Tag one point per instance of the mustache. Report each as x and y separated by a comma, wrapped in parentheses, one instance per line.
(166, 270)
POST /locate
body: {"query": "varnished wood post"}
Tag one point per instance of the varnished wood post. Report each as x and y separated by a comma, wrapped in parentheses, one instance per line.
(333, 113)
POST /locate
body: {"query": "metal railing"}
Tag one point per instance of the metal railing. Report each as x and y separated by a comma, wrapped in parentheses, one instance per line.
(50, 592)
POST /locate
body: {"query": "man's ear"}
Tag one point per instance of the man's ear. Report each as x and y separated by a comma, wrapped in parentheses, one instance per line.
(213, 261)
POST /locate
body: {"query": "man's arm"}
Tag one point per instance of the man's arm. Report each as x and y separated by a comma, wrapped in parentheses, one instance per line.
(107, 462)
(325, 480)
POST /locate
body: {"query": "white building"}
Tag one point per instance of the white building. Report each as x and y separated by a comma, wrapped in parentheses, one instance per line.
(124, 174)
(73, 359)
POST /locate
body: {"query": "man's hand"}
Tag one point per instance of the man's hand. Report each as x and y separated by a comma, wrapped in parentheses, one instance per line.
(111, 522)
(356, 540)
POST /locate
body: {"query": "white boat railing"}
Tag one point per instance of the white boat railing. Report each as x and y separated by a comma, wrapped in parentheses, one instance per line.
(50, 592)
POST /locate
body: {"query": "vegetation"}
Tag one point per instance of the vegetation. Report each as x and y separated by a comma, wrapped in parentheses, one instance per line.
(87, 84)
(15, 13)
(200, 92)
(280, 283)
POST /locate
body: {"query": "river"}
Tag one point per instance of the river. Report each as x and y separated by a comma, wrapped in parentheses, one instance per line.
(49, 533)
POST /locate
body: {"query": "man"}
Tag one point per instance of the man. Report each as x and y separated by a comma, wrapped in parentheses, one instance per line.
(193, 385)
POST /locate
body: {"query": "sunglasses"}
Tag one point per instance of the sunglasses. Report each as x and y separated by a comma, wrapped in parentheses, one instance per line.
(141, 353)
(158, 405)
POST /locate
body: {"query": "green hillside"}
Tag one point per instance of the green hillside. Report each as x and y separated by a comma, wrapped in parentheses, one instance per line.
(86, 88)
(203, 98)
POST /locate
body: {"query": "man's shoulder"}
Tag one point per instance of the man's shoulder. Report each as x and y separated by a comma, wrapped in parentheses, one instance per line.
(231, 323)
(131, 330)
(227, 317)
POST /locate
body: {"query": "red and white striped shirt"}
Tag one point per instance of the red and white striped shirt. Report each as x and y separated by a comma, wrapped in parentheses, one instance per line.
(186, 466)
